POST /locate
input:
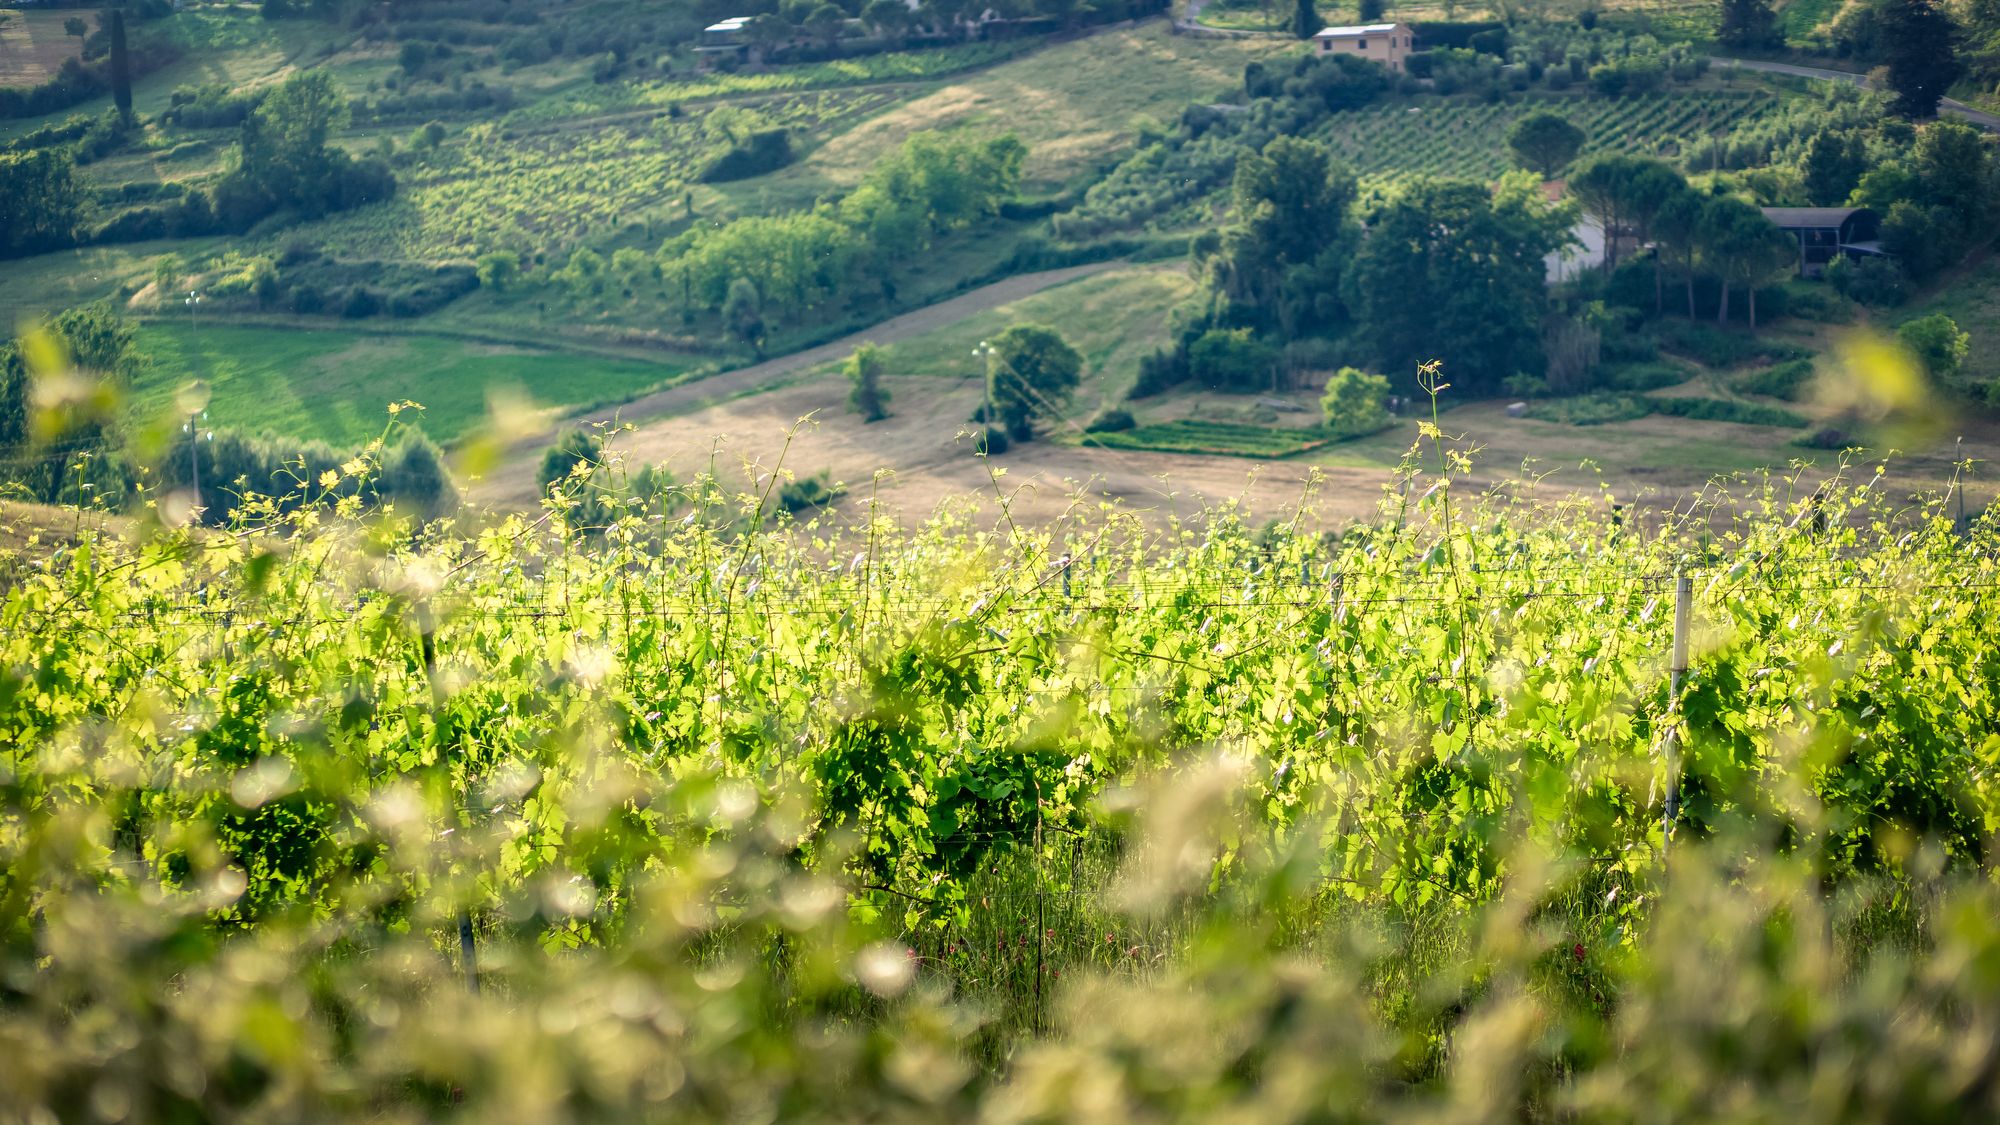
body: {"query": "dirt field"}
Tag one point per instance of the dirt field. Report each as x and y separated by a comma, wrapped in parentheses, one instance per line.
(926, 457)
(33, 45)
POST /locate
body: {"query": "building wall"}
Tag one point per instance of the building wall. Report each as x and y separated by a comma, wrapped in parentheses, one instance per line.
(1389, 48)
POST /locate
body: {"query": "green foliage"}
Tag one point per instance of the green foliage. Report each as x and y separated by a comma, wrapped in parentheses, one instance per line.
(1452, 272)
(44, 201)
(1936, 342)
(574, 454)
(1916, 39)
(807, 494)
(1355, 403)
(930, 824)
(1226, 439)
(1788, 380)
(1232, 359)
(1748, 24)
(1111, 422)
(1030, 372)
(1545, 142)
(865, 395)
(1602, 407)
(498, 269)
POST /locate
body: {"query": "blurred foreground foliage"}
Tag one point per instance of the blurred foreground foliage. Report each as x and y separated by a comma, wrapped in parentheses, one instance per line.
(1111, 820)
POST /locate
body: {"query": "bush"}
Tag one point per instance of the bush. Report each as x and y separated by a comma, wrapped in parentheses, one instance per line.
(1645, 376)
(1826, 437)
(759, 153)
(360, 302)
(1715, 347)
(1592, 409)
(1936, 341)
(1111, 422)
(1786, 380)
(1876, 282)
(807, 493)
(497, 270)
(1231, 359)
(1726, 410)
(1355, 403)
(990, 441)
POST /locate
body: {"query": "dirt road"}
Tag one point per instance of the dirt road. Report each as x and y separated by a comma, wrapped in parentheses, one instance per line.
(512, 485)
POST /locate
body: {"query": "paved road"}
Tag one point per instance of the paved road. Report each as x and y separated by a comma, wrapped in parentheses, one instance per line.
(1949, 107)
(518, 466)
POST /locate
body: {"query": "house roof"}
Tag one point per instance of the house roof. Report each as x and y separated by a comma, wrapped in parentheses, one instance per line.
(1795, 218)
(1354, 32)
(733, 23)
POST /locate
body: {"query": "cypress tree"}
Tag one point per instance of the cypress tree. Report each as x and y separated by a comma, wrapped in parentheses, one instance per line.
(1305, 21)
(1918, 41)
(121, 67)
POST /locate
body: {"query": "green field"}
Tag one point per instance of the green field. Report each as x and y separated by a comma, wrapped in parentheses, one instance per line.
(336, 384)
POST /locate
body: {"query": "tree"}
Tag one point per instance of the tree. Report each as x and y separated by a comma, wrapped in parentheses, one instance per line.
(1371, 10)
(1937, 342)
(1280, 260)
(865, 395)
(1742, 247)
(1917, 41)
(1834, 164)
(891, 19)
(1677, 228)
(1305, 20)
(41, 201)
(743, 312)
(824, 22)
(1624, 194)
(73, 25)
(121, 68)
(1030, 372)
(573, 447)
(1545, 142)
(496, 271)
(1355, 403)
(1748, 24)
(1451, 271)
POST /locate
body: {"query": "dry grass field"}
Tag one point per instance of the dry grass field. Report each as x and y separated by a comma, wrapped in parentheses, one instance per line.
(33, 45)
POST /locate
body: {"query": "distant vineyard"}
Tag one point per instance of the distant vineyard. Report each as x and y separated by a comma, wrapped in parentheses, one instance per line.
(892, 67)
(1452, 139)
(546, 191)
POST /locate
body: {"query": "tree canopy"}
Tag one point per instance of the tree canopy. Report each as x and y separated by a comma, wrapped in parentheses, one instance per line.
(1545, 142)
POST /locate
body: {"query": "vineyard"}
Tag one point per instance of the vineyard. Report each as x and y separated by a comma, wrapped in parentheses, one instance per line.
(898, 66)
(548, 190)
(725, 816)
(1452, 139)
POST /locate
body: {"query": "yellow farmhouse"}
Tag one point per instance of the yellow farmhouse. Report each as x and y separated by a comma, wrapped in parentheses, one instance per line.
(1386, 43)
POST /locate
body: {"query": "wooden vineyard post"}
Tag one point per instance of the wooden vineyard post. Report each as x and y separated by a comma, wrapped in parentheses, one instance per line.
(1676, 676)
(468, 953)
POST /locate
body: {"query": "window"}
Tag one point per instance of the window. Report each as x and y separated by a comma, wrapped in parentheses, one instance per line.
(1362, 45)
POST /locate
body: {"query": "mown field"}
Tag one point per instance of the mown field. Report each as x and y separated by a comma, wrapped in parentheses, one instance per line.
(336, 385)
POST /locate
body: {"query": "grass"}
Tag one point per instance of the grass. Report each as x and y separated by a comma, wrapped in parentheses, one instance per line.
(1112, 318)
(336, 385)
(1075, 105)
(1601, 408)
(1972, 299)
(33, 46)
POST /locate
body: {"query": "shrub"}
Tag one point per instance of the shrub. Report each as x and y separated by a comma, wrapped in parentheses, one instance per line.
(807, 493)
(1727, 410)
(498, 269)
(1111, 422)
(1231, 359)
(1876, 282)
(991, 440)
(759, 153)
(1936, 341)
(1592, 409)
(1355, 403)
(1645, 376)
(1786, 380)
(360, 302)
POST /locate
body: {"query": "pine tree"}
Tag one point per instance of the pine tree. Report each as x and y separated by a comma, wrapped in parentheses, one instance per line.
(1748, 24)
